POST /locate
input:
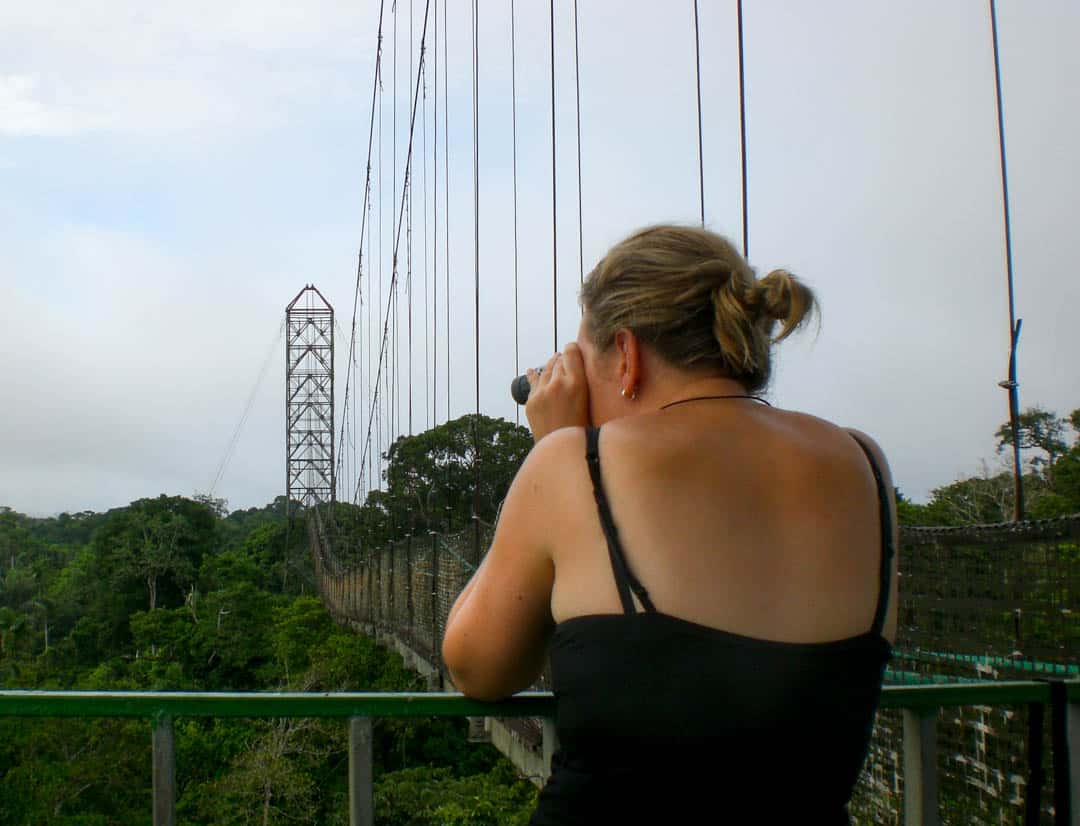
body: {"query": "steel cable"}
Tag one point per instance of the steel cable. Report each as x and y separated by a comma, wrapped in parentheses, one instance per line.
(401, 214)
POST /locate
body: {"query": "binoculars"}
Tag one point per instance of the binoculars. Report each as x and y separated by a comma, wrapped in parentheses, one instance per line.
(519, 387)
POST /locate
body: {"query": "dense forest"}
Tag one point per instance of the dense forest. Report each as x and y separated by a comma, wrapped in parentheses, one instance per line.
(178, 593)
(172, 593)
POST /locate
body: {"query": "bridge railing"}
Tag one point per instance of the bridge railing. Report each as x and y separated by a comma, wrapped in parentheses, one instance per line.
(978, 603)
(919, 704)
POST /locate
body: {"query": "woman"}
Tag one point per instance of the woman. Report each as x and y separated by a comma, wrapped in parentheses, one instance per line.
(714, 578)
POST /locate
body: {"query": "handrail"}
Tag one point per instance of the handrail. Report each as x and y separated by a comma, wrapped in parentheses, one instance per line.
(919, 703)
(149, 704)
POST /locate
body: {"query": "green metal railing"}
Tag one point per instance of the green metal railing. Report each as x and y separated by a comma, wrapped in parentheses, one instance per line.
(920, 705)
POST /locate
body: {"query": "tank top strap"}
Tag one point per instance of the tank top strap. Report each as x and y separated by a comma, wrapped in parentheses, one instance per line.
(624, 580)
(888, 548)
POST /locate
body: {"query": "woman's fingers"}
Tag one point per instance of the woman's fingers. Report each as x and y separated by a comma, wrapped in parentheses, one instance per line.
(573, 363)
(558, 396)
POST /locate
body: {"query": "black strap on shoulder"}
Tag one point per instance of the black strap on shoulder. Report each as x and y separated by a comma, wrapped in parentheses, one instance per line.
(888, 548)
(624, 580)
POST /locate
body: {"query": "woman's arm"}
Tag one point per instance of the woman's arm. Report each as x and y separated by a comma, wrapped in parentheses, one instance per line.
(497, 631)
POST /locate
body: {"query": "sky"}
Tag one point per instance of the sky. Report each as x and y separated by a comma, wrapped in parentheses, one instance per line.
(172, 174)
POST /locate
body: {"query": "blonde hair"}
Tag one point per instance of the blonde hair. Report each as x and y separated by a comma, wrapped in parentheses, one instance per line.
(689, 294)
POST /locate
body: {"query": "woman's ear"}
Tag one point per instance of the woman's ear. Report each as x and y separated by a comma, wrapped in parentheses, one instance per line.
(629, 365)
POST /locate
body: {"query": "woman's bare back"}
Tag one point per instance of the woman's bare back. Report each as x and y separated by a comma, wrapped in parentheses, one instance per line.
(754, 520)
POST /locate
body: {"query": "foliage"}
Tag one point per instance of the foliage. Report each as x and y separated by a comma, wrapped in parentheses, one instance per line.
(1040, 429)
(427, 797)
(440, 479)
(228, 611)
(1051, 485)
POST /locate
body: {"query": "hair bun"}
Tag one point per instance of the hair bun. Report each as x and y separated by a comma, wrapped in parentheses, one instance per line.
(780, 296)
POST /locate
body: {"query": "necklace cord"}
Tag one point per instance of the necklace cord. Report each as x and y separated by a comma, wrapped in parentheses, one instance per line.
(703, 398)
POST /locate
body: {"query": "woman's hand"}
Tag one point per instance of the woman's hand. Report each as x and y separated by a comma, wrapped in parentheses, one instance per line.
(559, 395)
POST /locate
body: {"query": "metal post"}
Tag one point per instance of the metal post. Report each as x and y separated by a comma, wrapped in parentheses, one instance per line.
(1072, 749)
(1036, 773)
(920, 768)
(1065, 740)
(164, 772)
(435, 596)
(550, 743)
(361, 798)
(391, 603)
(408, 584)
(1014, 323)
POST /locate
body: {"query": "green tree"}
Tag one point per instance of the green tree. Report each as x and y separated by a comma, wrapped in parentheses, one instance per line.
(444, 476)
(910, 513)
(977, 500)
(1037, 429)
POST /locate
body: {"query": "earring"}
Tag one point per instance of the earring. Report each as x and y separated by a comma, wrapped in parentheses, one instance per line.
(633, 394)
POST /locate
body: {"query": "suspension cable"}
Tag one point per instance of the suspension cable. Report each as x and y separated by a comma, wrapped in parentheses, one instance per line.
(427, 286)
(401, 209)
(367, 201)
(446, 170)
(392, 365)
(379, 420)
(513, 123)
(230, 446)
(577, 93)
(476, 280)
(409, 246)
(700, 139)
(554, 205)
(367, 377)
(435, 242)
(742, 137)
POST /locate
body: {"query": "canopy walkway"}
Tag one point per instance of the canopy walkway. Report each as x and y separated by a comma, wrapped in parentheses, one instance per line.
(981, 608)
(964, 733)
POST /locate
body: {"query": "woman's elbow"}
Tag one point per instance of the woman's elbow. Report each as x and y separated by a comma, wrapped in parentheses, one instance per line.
(476, 683)
(478, 689)
(472, 683)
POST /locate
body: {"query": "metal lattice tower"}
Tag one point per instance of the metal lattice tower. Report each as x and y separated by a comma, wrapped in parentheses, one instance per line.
(309, 398)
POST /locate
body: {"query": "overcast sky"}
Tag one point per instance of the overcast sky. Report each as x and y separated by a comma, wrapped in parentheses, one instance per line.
(172, 174)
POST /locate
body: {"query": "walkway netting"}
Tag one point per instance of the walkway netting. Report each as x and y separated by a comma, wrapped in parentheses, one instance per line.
(987, 602)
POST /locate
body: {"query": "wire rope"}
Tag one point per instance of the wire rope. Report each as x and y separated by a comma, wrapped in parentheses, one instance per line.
(392, 356)
(435, 241)
(742, 137)
(554, 205)
(409, 296)
(577, 94)
(383, 353)
(446, 171)
(230, 446)
(379, 418)
(368, 304)
(364, 222)
(513, 130)
(427, 286)
(409, 248)
(476, 264)
(700, 139)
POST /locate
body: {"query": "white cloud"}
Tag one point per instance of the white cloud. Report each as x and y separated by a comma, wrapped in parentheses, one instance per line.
(24, 112)
(72, 68)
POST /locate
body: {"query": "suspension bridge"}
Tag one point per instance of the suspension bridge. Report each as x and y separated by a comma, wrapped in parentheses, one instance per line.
(397, 383)
(983, 704)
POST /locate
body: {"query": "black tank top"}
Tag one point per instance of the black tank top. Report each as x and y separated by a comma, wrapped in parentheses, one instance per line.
(662, 720)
